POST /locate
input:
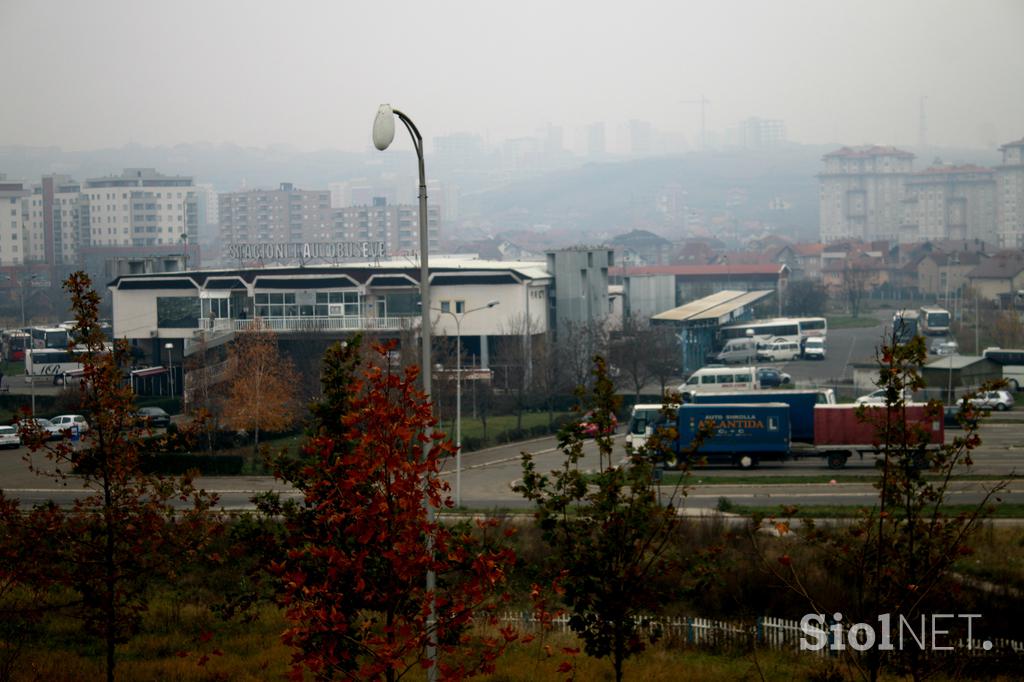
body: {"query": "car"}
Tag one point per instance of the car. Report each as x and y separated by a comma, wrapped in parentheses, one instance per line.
(878, 397)
(44, 425)
(951, 416)
(589, 427)
(66, 422)
(9, 437)
(770, 377)
(945, 348)
(993, 400)
(814, 348)
(153, 416)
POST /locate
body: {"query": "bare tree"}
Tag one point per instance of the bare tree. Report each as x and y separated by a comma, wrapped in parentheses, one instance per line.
(582, 341)
(514, 352)
(663, 354)
(855, 285)
(630, 353)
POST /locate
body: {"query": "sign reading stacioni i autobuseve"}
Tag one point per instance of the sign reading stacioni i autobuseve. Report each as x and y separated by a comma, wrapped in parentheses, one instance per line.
(307, 250)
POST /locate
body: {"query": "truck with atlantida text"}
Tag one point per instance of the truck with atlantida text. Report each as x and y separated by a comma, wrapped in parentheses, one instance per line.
(747, 433)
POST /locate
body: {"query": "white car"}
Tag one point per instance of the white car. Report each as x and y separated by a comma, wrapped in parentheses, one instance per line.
(9, 437)
(993, 400)
(66, 421)
(878, 397)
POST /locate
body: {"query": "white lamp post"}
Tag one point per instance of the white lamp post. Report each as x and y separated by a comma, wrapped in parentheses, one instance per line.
(170, 363)
(383, 136)
(458, 393)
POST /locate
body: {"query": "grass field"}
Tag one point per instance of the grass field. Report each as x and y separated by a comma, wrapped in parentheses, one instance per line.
(864, 321)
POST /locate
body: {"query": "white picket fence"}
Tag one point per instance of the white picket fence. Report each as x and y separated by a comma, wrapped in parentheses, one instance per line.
(765, 631)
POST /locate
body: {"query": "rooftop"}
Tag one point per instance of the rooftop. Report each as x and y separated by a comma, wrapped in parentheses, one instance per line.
(869, 151)
(1004, 264)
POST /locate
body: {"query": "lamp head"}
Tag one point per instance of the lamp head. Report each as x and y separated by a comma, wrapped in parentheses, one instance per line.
(384, 127)
(491, 304)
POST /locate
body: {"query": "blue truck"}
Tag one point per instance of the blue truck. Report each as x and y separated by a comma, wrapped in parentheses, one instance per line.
(741, 433)
(801, 405)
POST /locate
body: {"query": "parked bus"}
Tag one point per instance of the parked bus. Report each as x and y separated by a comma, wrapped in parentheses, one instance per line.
(14, 344)
(933, 320)
(905, 324)
(790, 328)
(1012, 360)
(49, 337)
(51, 362)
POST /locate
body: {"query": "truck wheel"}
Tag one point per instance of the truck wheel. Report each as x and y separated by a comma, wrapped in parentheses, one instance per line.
(745, 461)
(837, 460)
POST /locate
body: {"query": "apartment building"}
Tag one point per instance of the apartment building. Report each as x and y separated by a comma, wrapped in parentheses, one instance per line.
(396, 225)
(138, 208)
(12, 196)
(949, 202)
(1010, 196)
(285, 214)
(862, 189)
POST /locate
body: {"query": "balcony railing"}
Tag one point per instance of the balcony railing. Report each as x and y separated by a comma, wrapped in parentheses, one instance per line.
(312, 323)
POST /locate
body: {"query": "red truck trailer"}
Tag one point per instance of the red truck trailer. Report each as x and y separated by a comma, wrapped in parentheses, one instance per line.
(839, 432)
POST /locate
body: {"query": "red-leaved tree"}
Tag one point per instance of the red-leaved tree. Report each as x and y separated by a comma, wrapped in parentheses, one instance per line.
(126, 527)
(359, 546)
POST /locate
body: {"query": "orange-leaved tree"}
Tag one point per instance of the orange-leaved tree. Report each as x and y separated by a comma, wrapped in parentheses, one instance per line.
(358, 547)
(262, 393)
(126, 527)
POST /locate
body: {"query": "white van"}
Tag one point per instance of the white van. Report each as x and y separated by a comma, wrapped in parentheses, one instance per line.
(779, 351)
(719, 379)
(814, 348)
(643, 421)
(737, 351)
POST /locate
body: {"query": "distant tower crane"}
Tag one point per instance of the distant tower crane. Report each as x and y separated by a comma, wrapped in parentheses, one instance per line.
(703, 102)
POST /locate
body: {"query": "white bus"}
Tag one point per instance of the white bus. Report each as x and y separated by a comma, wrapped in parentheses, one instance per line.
(933, 320)
(49, 337)
(1012, 360)
(51, 362)
(790, 328)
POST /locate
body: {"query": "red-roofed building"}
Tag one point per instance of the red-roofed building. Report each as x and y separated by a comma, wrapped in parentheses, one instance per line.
(697, 281)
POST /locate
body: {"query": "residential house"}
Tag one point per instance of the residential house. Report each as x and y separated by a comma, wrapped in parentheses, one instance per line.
(940, 273)
(1000, 276)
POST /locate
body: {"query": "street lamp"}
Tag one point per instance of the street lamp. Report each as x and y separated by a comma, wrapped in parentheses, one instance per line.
(383, 136)
(170, 363)
(753, 356)
(458, 392)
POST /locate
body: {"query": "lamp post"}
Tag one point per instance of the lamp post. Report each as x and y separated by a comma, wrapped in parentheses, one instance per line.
(458, 392)
(753, 356)
(169, 347)
(383, 136)
(22, 287)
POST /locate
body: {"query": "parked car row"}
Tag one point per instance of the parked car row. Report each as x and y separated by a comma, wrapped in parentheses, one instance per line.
(63, 426)
(780, 349)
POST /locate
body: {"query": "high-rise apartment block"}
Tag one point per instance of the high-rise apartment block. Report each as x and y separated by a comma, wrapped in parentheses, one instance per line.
(872, 193)
(862, 190)
(1010, 196)
(285, 214)
(292, 215)
(139, 208)
(950, 202)
(397, 225)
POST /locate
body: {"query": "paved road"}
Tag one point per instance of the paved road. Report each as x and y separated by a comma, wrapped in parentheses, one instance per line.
(489, 474)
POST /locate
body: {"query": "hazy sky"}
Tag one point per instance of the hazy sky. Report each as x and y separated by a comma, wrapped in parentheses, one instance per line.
(83, 74)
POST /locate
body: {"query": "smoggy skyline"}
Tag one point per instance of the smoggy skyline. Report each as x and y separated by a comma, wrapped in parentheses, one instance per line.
(310, 75)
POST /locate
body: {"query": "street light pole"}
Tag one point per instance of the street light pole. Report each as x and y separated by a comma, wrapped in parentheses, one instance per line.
(383, 136)
(170, 364)
(458, 394)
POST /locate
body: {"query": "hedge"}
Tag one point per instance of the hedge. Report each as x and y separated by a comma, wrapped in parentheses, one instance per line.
(178, 463)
